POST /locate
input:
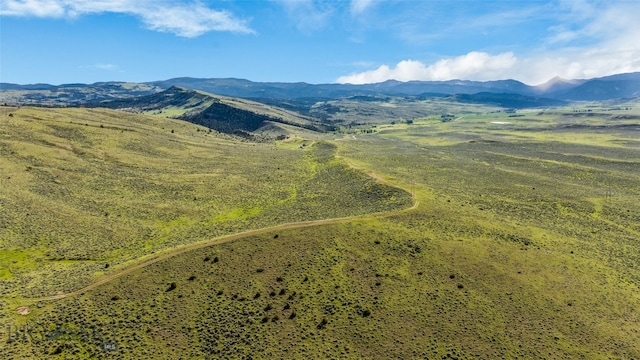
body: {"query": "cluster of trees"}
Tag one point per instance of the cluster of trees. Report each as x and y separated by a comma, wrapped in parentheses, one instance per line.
(447, 117)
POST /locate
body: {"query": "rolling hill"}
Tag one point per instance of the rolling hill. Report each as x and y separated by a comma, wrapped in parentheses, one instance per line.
(220, 113)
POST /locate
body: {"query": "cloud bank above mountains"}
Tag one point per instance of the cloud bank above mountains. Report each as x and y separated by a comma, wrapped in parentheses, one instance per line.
(478, 65)
(481, 66)
(589, 39)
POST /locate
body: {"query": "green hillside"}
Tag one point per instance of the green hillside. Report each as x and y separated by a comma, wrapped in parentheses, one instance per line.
(85, 191)
(522, 242)
(224, 114)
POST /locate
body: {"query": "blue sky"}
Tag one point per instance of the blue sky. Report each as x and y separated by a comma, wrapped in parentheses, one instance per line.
(358, 41)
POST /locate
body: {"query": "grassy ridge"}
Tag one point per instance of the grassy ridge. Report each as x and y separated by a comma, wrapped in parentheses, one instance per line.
(220, 113)
(86, 190)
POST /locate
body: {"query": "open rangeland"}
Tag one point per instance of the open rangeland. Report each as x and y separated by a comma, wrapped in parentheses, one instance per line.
(524, 243)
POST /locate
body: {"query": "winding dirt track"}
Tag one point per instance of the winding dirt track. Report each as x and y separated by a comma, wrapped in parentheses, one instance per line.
(223, 239)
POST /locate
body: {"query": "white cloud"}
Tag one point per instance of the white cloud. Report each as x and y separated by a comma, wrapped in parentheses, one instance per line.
(584, 39)
(596, 39)
(192, 21)
(429, 22)
(359, 6)
(591, 39)
(583, 63)
(309, 15)
(474, 65)
(39, 8)
(570, 63)
(183, 19)
(106, 67)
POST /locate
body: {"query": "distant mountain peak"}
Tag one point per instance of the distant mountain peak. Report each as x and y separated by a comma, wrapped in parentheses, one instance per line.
(557, 83)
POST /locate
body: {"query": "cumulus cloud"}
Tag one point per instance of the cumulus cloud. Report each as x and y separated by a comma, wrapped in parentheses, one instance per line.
(586, 39)
(474, 65)
(577, 64)
(571, 63)
(183, 19)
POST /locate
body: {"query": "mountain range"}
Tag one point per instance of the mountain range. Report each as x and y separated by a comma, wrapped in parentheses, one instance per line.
(603, 88)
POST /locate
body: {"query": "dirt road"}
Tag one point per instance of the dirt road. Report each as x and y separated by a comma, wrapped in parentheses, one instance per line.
(220, 240)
